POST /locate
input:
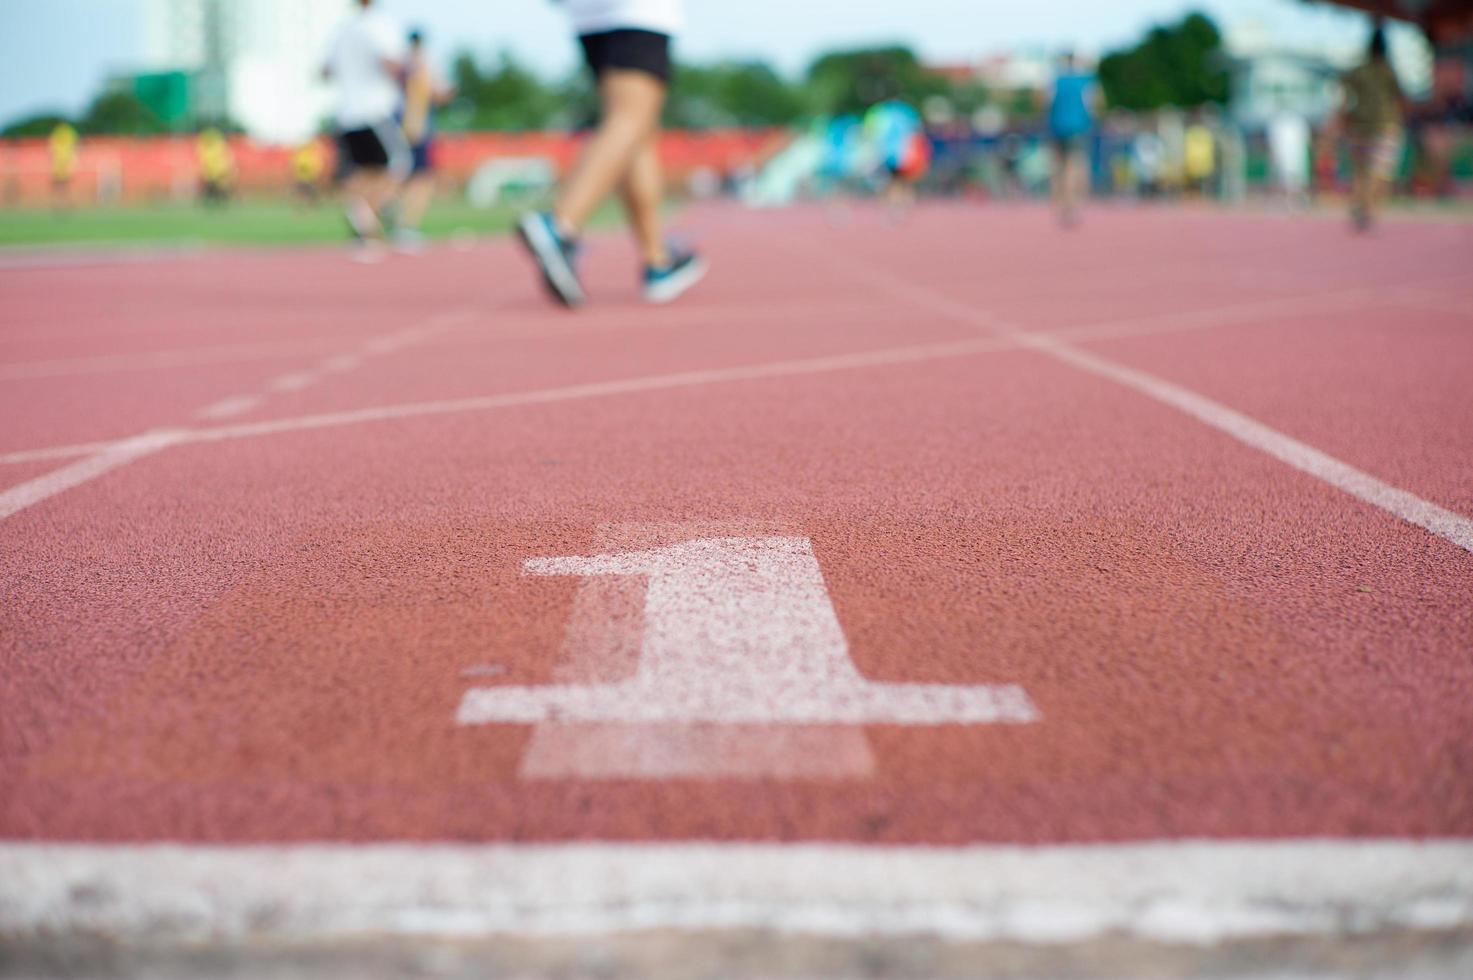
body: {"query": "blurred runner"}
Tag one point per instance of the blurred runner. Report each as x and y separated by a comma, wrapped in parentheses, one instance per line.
(308, 166)
(423, 94)
(365, 62)
(216, 167)
(1373, 119)
(895, 130)
(63, 147)
(626, 44)
(1070, 121)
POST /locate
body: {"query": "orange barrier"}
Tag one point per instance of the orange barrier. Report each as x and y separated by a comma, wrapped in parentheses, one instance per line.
(162, 168)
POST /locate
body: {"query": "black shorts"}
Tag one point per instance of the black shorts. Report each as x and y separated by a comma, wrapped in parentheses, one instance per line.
(644, 51)
(1071, 144)
(381, 147)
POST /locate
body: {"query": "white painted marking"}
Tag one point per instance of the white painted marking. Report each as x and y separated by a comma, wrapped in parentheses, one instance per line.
(1452, 527)
(1411, 508)
(293, 382)
(342, 363)
(103, 457)
(1009, 339)
(1179, 892)
(73, 259)
(484, 670)
(1439, 304)
(32, 492)
(64, 367)
(603, 643)
(738, 636)
(228, 407)
(886, 357)
(58, 452)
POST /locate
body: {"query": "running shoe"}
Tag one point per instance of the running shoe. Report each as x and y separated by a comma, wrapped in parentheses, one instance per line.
(668, 282)
(555, 256)
(408, 241)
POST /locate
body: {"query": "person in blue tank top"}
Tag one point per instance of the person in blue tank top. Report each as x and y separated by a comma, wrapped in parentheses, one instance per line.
(1071, 118)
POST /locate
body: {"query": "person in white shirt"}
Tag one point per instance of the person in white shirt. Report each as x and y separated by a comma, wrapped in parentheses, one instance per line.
(626, 44)
(364, 63)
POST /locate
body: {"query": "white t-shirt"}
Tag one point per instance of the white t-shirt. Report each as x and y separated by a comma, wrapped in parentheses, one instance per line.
(367, 94)
(594, 16)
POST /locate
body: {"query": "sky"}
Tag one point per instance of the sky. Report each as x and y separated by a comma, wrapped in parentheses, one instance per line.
(54, 53)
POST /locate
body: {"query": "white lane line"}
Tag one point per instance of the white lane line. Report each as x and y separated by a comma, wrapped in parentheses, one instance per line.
(229, 407)
(342, 363)
(1194, 891)
(56, 452)
(64, 367)
(1452, 527)
(1359, 484)
(601, 389)
(293, 382)
(75, 259)
(104, 457)
(1009, 338)
(1439, 304)
(118, 454)
(1107, 330)
(338, 364)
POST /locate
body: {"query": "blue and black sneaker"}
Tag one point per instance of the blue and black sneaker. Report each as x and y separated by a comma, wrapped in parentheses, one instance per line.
(663, 283)
(554, 255)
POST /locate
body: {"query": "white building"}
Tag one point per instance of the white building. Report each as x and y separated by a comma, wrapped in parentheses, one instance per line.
(259, 61)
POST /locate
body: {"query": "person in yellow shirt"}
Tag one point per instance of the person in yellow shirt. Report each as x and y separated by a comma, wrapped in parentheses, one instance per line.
(216, 167)
(63, 145)
(308, 166)
(1200, 156)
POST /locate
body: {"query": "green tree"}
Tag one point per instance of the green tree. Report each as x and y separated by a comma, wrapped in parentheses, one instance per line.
(506, 96)
(851, 81)
(33, 126)
(1174, 65)
(732, 94)
(118, 112)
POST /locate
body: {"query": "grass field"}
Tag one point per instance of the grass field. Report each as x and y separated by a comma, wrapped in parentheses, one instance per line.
(248, 222)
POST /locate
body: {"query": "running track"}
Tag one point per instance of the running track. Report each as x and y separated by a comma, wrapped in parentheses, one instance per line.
(1177, 509)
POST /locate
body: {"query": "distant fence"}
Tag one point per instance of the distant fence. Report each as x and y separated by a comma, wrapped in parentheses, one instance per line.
(167, 168)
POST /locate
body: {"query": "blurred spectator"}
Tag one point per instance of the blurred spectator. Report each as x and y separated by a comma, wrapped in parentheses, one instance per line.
(63, 149)
(216, 167)
(308, 165)
(1373, 119)
(1149, 154)
(1289, 153)
(894, 129)
(1199, 155)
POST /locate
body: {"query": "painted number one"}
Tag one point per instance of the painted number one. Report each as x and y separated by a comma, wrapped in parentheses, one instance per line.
(740, 642)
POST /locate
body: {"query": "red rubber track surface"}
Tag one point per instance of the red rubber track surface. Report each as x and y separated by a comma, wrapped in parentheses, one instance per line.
(265, 638)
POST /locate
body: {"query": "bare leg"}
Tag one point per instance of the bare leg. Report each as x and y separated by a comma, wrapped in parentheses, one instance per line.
(642, 191)
(1067, 174)
(1362, 182)
(632, 101)
(418, 194)
(1060, 183)
(365, 193)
